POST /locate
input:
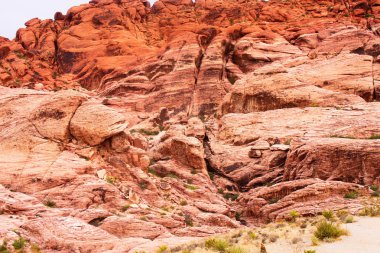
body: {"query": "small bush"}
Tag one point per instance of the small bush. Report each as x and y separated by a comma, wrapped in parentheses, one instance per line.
(35, 249)
(162, 249)
(220, 245)
(309, 251)
(328, 214)
(237, 216)
(19, 243)
(188, 220)
(236, 249)
(314, 241)
(183, 203)
(143, 185)
(327, 230)
(50, 203)
(374, 137)
(293, 215)
(191, 187)
(370, 211)
(110, 180)
(4, 248)
(351, 195)
(296, 240)
(126, 207)
(349, 219)
(252, 235)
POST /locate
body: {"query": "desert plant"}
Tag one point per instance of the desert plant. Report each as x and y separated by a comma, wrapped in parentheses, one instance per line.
(309, 251)
(183, 202)
(370, 211)
(351, 195)
(237, 216)
(110, 180)
(19, 243)
(191, 187)
(236, 249)
(4, 247)
(374, 137)
(126, 207)
(314, 241)
(328, 214)
(162, 249)
(327, 230)
(349, 219)
(35, 249)
(188, 220)
(50, 203)
(293, 215)
(217, 244)
(252, 235)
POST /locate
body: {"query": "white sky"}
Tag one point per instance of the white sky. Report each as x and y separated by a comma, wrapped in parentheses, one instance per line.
(14, 13)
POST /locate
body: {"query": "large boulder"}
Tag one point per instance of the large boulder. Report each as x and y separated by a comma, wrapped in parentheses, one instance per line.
(92, 123)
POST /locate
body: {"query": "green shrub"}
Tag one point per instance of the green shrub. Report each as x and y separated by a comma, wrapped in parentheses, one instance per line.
(252, 235)
(370, 211)
(328, 214)
(217, 244)
(236, 249)
(191, 187)
(183, 203)
(349, 219)
(328, 230)
(237, 216)
(309, 251)
(351, 195)
(162, 249)
(293, 215)
(50, 203)
(4, 248)
(19, 243)
(374, 137)
(126, 207)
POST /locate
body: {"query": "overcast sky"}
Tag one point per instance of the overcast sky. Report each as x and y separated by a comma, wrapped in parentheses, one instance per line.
(14, 13)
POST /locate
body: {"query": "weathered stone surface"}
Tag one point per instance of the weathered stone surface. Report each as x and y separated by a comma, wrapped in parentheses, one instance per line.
(339, 159)
(93, 123)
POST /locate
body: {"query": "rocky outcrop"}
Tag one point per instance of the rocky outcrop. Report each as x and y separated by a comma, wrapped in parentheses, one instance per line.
(124, 127)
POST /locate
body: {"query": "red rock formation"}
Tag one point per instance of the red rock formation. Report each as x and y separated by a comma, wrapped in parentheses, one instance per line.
(124, 126)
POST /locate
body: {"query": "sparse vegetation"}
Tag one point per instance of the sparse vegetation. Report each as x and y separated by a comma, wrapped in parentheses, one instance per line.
(293, 215)
(35, 249)
(217, 244)
(188, 220)
(309, 251)
(374, 137)
(183, 202)
(162, 249)
(328, 230)
(19, 244)
(328, 214)
(145, 131)
(252, 235)
(371, 211)
(191, 187)
(351, 195)
(50, 203)
(111, 180)
(143, 185)
(126, 207)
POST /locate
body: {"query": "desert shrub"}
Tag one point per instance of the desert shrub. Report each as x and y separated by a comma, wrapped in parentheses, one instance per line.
(236, 249)
(35, 249)
(370, 211)
(188, 220)
(328, 214)
(19, 243)
(374, 137)
(126, 207)
(50, 203)
(309, 251)
(183, 202)
(349, 219)
(4, 247)
(351, 195)
(162, 249)
(191, 187)
(296, 240)
(217, 244)
(110, 180)
(327, 230)
(237, 216)
(252, 235)
(293, 215)
(314, 241)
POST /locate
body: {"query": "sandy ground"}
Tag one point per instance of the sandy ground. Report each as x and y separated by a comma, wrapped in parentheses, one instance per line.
(364, 238)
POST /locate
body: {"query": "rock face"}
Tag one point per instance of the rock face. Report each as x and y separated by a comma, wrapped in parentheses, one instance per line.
(125, 126)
